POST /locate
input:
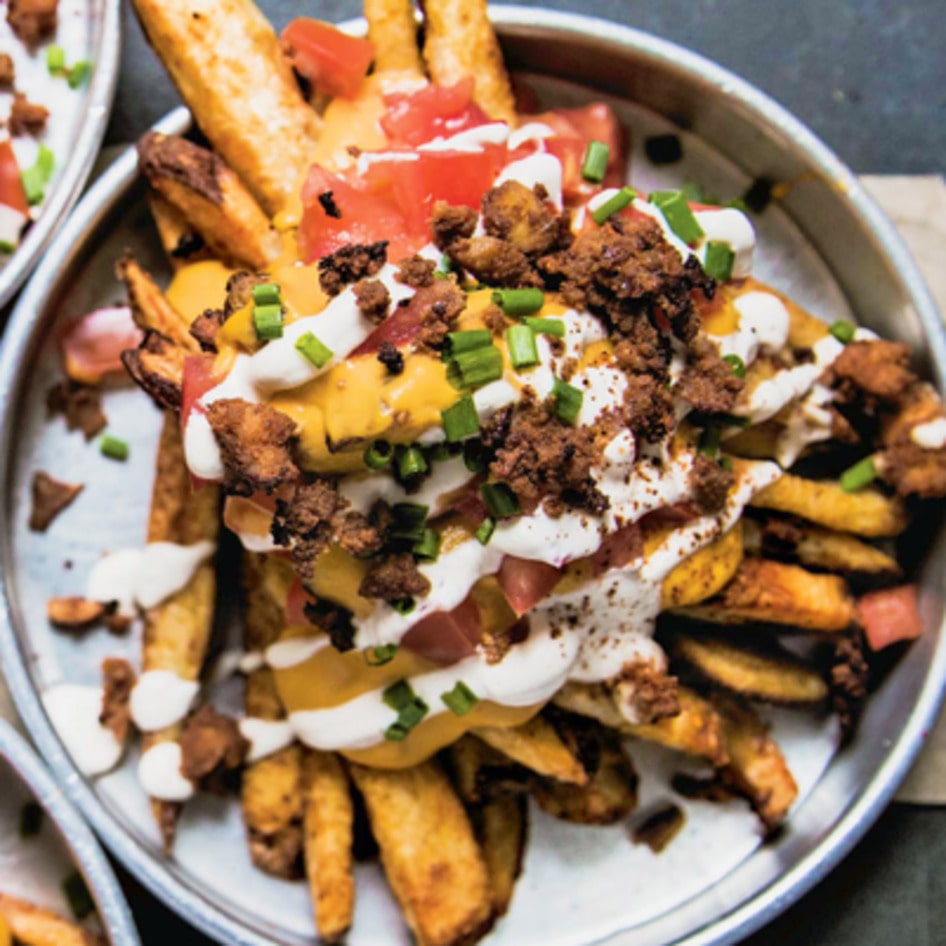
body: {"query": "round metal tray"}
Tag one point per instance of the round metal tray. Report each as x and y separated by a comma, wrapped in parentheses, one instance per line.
(105, 52)
(848, 257)
(18, 758)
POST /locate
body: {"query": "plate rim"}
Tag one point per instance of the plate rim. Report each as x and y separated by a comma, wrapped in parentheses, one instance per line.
(861, 813)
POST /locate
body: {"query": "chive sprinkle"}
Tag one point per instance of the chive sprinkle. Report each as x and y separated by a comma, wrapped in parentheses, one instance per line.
(858, 476)
(398, 695)
(379, 455)
(380, 655)
(544, 326)
(469, 340)
(613, 204)
(267, 293)
(519, 302)
(460, 700)
(56, 60)
(673, 205)
(473, 458)
(710, 440)
(78, 73)
(114, 448)
(267, 320)
(520, 340)
(408, 520)
(719, 260)
(403, 605)
(500, 500)
(310, 347)
(410, 461)
(428, 545)
(78, 896)
(480, 366)
(737, 364)
(460, 420)
(843, 331)
(485, 531)
(34, 179)
(596, 161)
(567, 400)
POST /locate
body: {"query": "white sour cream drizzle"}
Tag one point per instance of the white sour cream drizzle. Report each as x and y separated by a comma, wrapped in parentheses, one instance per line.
(539, 168)
(74, 711)
(159, 772)
(265, 736)
(11, 225)
(728, 225)
(146, 576)
(161, 698)
(931, 435)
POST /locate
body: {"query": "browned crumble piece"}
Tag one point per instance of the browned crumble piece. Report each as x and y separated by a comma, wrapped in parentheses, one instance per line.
(80, 404)
(659, 828)
(651, 693)
(516, 214)
(451, 223)
(438, 305)
(373, 299)
(710, 484)
(74, 613)
(357, 534)
(205, 327)
(211, 744)
(390, 357)
(494, 262)
(50, 497)
(119, 680)
(33, 20)
(26, 117)
(307, 516)
(415, 271)
(393, 578)
(849, 676)
(350, 263)
(878, 368)
(708, 384)
(7, 70)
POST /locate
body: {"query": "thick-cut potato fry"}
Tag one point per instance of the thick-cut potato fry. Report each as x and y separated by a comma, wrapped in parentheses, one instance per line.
(705, 572)
(696, 729)
(502, 827)
(226, 62)
(481, 773)
(866, 512)
(392, 27)
(36, 926)
(329, 823)
(150, 307)
(271, 791)
(429, 852)
(758, 442)
(778, 593)
(538, 747)
(177, 631)
(609, 796)
(819, 548)
(594, 700)
(750, 673)
(181, 243)
(210, 197)
(756, 766)
(460, 43)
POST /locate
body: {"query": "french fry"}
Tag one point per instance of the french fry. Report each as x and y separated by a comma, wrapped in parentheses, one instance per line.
(429, 852)
(272, 788)
(705, 572)
(754, 675)
(481, 773)
(779, 593)
(177, 631)
(329, 821)
(392, 27)
(150, 307)
(181, 243)
(32, 925)
(502, 827)
(460, 43)
(756, 768)
(696, 729)
(210, 197)
(538, 747)
(594, 700)
(866, 512)
(226, 62)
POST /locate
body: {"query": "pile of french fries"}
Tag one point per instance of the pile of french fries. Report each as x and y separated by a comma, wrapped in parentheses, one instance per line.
(451, 831)
(27, 924)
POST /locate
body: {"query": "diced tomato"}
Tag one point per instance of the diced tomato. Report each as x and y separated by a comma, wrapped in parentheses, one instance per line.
(197, 379)
(11, 187)
(398, 328)
(296, 601)
(92, 345)
(525, 582)
(890, 615)
(446, 636)
(333, 61)
(620, 548)
(434, 111)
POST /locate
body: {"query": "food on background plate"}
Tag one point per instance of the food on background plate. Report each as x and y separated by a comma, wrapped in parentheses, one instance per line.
(25, 923)
(505, 443)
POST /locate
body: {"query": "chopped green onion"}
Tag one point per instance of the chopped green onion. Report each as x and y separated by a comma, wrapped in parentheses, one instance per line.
(460, 420)
(398, 695)
(403, 605)
(519, 302)
(520, 340)
(31, 820)
(413, 713)
(114, 448)
(473, 456)
(542, 326)
(428, 545)
(663, 149)
(7, 247)
(267, 320)
(441, 451)
(485, 532)
(35, 178)
(567, 399)
(380, 655)
(500, 500)
(470, 340)
(56, 60)
(858, 476)
(408, 520)
(460, 700)
(596, 161)
(719, 260)
(309, 346)
(737, 364)
(78, 73)
(673, 205)
(78, 896)
(45, 161)
(410, 461)
(480, 366)
(709, 442)
(444, 267)
(843, 331)
(731, 420)
(395, 733)
(613, 204)
(267, 293)
(378, 455)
